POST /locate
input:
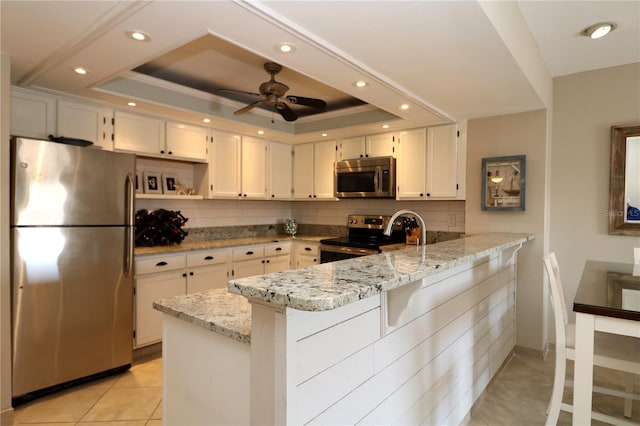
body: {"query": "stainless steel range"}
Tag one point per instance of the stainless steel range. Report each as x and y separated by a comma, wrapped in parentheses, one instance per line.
(366, 236)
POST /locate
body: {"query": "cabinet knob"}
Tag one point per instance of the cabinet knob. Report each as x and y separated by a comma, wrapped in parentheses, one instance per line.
(170, 152)
(278, 248)
(307, 248)
(273, 195)
(262, 260)
(268, 261)
(244, 195)
(208, 258)
(162, 151)
(249, 253)
(239, 195)
(163, 263)
(428, 194)
(314, 195)
(310, 196)
(184, 275)
(421, 194)
(191, 273)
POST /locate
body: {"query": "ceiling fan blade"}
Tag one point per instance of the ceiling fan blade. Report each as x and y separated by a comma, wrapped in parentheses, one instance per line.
(247, 108)
(310, 102)
(238, 91)
(286, 112)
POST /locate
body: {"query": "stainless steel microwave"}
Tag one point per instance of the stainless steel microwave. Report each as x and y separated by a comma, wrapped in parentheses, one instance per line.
(373, 177)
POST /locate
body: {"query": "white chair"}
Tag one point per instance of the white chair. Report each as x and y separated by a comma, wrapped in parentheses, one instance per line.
(610, 351)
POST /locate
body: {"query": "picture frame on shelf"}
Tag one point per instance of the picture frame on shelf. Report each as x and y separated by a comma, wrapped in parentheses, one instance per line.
(503, 183)
(169, 184)
(152, 183)
(139, 189)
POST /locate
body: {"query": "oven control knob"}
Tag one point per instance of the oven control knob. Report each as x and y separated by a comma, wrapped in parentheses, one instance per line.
(353, 221)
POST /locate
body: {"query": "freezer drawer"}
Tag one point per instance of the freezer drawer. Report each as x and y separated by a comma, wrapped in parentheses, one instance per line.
(72, 304)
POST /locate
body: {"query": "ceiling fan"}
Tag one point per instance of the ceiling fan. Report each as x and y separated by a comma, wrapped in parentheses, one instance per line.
(271, 93)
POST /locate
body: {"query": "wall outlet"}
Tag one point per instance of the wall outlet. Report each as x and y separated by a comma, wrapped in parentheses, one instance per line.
(452, 220)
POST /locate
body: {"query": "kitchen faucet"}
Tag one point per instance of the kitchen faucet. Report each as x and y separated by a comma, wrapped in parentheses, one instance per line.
(399, 213)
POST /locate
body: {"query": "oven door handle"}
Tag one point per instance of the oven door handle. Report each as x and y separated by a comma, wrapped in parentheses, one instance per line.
(350, 250)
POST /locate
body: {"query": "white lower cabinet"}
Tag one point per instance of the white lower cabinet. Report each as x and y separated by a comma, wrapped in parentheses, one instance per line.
(306, 254)
(170, 275)
(260, 259)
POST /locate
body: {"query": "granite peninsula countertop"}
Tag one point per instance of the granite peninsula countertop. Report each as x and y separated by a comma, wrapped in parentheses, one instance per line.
(216, 310)
(332, 285)
(224, 243)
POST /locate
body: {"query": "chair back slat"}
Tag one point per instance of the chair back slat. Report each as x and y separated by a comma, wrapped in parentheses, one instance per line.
(561, 315)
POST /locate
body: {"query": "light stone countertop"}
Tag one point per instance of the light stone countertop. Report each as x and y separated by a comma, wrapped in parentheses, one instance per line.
(224, 243)
(216, 310)
(332, 285)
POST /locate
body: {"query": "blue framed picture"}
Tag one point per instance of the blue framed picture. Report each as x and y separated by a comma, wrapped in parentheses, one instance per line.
(503, 183)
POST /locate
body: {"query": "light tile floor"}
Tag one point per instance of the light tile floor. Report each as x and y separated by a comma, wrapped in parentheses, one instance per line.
(518, 396)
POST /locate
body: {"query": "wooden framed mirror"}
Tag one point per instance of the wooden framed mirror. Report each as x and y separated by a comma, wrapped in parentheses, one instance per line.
(624, 181)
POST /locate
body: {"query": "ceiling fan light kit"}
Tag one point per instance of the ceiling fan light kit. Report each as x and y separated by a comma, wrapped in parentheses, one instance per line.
(272, 91)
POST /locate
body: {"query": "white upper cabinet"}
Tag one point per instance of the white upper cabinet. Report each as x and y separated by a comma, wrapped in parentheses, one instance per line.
(367, 146)
(224, 166)
(303, 171)
(442, 161)
(352, 148)
(32, 115)
(428, 164)
(280, 171)
(411, 166)
(254, 168)
(187, 141)
(156, 138)
(139, 134)
(313, 170)
(325, 158)
(83, 121)
(380, 145)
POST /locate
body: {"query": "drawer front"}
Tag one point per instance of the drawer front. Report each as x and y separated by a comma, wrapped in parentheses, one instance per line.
(277, 249)
(248, 252)
(206, 257)
(154, 264)
(307, 249)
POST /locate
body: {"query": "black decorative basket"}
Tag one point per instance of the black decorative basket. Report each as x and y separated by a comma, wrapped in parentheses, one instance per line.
(159, 228)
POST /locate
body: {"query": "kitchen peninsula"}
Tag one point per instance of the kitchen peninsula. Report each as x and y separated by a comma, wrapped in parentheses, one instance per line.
(406, 336)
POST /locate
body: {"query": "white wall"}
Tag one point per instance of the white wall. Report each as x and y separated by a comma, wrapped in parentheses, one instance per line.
(6, 413)
(515, 134)
(586, 105)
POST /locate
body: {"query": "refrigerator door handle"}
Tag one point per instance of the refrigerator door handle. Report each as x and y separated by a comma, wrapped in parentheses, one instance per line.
(130, 198)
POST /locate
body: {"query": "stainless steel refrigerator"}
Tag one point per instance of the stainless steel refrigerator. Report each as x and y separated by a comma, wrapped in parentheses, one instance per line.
(72, 257)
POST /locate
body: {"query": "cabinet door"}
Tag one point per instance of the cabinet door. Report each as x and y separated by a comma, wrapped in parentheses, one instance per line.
(303, 171)
(305, 261)
(207, 277)
(88, 122)
(324, 159)
(32, 115)
(306, 254)
(277, 263)
(280, 171)
(352, 148)
(186, 141)
(247, 268)
(442, 161)
(137, 133)
(411, 164)
(254, 168)
(148, 289)
(380, 145)
(224, 166)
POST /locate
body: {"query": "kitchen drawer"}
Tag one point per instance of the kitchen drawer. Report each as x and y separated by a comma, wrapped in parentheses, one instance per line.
(206, 257)
(163, 263)
(277, 249)
(248, 252)
(306, 249)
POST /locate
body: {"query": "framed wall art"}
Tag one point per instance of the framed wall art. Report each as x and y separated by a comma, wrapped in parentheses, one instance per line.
(152, 184)
(503, 183)
(169, 184)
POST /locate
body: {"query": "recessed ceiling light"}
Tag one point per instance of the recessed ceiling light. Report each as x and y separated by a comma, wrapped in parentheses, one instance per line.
(206, 120)
(261, 132)
(80, 70)
(404, 106)
(285, 48)
(131, 104)
(324, 135)
(598, 30)
(138, 35)
(385, 126)
(361, 83)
